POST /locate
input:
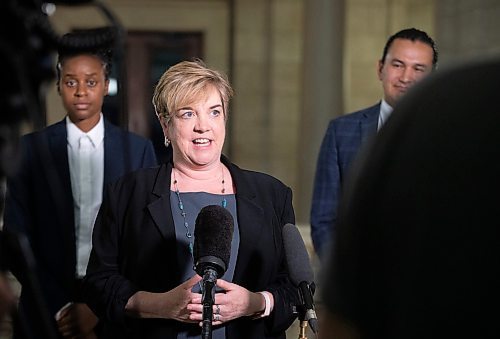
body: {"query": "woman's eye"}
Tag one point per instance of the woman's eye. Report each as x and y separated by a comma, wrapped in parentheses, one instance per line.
(187, 114)
(215, 113)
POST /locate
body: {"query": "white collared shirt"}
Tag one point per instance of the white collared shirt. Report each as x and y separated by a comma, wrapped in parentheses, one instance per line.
(385, 112)
(86, 166)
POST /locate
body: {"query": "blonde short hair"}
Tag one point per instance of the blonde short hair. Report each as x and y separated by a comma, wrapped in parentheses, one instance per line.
(182, 83)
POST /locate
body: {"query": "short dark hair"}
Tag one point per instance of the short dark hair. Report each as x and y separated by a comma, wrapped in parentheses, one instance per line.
(412, 34)
(97, 42)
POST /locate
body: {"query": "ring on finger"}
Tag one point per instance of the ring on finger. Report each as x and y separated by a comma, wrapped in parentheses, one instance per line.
(217, 309)
(216, 317)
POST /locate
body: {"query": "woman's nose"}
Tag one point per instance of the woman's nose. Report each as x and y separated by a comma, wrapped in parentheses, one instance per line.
(81, 90)
(202, 123)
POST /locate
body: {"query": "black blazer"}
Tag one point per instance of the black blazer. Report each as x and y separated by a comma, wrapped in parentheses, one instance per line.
(134, 248)
(39, 201)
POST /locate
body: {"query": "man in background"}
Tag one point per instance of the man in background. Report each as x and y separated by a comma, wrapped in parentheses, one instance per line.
(416, 252)
(54, 196)
(408, 56)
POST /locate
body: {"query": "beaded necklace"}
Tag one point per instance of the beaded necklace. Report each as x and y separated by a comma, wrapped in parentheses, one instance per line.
(189, 235)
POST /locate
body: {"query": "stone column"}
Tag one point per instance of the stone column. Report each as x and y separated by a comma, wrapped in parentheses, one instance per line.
(322, 89)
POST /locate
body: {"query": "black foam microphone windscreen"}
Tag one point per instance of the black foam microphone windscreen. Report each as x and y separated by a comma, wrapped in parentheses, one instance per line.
(297, 258)
(212, 239)
(301, 273)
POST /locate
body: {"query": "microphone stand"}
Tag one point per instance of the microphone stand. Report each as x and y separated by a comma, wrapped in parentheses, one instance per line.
(208, 300)
(303, 329)
(307, 314)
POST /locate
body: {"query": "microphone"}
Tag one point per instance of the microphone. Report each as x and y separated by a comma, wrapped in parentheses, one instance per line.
(213, 234)
(300, 271)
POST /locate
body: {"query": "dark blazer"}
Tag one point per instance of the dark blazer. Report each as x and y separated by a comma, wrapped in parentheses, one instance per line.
(39, 201)
(343, 139)
(134, 248)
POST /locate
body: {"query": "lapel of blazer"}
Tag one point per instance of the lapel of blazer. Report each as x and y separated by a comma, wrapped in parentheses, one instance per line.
(56, 169)
(115, 153)
(369, 123)
(160, 208)
(161, 213)
(250, 220)
(59, 171)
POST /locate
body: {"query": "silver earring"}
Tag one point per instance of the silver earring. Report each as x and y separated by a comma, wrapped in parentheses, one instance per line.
(167, 142)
